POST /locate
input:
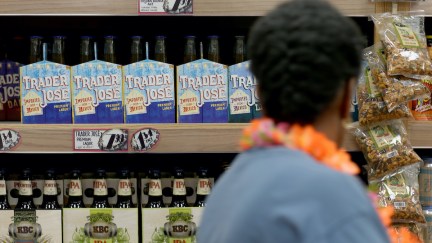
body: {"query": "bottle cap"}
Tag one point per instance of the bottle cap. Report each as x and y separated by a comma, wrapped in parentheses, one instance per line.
(178, 172)
(154, 173)
(26, 174)
(75, 173)
(50, 174)
(124, 173)
(203, 172)
(100, 173)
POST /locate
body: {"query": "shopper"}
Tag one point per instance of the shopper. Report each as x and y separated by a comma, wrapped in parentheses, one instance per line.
(292, 183)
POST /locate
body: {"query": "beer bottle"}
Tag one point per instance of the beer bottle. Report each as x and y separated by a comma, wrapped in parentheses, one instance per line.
(239, 50)
(58, 54)
(75, 199)
(124, 191)
(109, 49)
(136, 49)
(179, 190)
(100, 190)
(4, 204)
(190, 50)
(213, 51)
(35, 49)
(203, 188)
(160, 50)
(25, 193)
(155, 199)
(86, 49)
(50, 192)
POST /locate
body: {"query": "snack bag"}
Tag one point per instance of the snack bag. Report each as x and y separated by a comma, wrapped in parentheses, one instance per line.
(401, 190)
(394, 90)
(403, 36)
(386, 148)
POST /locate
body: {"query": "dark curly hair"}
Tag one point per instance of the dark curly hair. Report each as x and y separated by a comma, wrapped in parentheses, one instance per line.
(301, 54)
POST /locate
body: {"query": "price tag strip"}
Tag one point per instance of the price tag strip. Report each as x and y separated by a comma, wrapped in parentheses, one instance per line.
(100, 140)
(9, 139)
(165, 7)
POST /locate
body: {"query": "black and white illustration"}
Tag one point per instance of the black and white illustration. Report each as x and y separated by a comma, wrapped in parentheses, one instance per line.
(145, 139)
(9, 139)
(166, 6)
(114, 140)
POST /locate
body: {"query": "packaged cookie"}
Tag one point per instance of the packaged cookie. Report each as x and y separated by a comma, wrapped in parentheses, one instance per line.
(401, 190)
(371, 106)
(403, 36)
(394, 90)
(386, 148)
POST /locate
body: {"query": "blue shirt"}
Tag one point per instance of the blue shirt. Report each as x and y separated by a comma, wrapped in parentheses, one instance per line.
(280, 195)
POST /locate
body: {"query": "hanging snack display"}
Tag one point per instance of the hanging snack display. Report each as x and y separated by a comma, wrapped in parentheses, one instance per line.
(401, 190)
(372, 108)
(394, 90)
(386, 148)
(403, 36)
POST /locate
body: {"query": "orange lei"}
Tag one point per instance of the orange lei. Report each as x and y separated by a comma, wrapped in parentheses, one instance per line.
(265, 133)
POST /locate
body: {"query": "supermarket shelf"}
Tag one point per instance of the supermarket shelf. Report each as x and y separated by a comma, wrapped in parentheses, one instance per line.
(130, 7)
(174, 138)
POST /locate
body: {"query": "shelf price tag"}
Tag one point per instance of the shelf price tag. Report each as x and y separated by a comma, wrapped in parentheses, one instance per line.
(145, 139)
(165, 7)
(9, 139)
(99, 140)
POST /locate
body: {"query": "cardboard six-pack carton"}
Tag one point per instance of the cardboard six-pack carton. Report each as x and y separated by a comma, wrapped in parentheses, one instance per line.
(101, 225)
(97, 93)
(243, 99)
(9, 91)
(45, 93)
(149, 93)
(202, 95)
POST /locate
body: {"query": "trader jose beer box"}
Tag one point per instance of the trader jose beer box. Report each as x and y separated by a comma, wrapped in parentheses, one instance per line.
(244, 103)
(97, 93)
(202, 95)
(45, 93)
(101, 225)
(9, 91)
(149, 92)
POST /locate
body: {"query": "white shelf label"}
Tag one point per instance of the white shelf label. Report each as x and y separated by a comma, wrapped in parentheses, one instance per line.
(100, 140)
(164, 7)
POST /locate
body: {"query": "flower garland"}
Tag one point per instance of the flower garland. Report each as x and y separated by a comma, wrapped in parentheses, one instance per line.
(265, 133)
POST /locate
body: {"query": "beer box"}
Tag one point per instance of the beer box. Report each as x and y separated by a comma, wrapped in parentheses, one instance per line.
(112, 186)
(31, 226)
(202, 92)
(166, 187)
(38, 187)
(97, 93)
(45, 93)
(149, 92)
(100, 225)
(244, 102)
(173, 225)
(10, 91)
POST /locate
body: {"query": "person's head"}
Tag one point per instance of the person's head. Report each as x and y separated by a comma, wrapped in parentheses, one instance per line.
(306, 58)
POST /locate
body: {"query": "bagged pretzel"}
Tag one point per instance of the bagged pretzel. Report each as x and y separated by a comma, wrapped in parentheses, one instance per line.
(395, 91)
(401, 190)
(386, 148)
(403, 36)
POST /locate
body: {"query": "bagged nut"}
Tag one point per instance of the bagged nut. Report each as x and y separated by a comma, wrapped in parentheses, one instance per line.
(372, 108)
(401, 190)
(417, 229)
(403, 36)
(386, 148)
(394, 90)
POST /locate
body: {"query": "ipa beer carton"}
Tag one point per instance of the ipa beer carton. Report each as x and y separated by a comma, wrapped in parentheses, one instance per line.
(244, 102)
(45, 93)
(97, 93)
(202, 92)
(10, 91)
(149, 92)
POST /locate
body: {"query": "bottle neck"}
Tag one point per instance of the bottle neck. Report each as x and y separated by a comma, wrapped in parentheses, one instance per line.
(100, 188)
(179, 188)
(86, 51)
(109, 51)
(160, 52)
(25, 188)
(213, 53)
(3, 191)
(35, 51)
(155, 188)
(190, 51)
(124, 188)
(136, 51)
(58, 51)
